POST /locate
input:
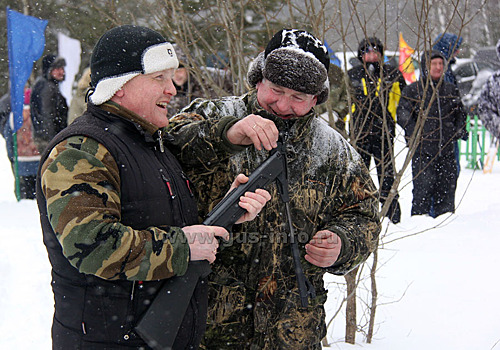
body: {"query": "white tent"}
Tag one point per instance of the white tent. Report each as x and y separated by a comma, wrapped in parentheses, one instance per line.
(70, 49)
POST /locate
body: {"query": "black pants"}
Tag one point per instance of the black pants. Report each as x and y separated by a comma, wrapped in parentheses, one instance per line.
(381, 152)
(434, 178)
(27, 185)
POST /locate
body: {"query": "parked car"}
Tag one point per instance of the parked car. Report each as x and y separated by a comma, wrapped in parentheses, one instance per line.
(489, 55)
(471, 75)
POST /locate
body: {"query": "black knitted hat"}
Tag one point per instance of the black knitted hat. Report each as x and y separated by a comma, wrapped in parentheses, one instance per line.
(370, 44)
(50, 62)
(426, 58)
(123, 53)
(294, 59)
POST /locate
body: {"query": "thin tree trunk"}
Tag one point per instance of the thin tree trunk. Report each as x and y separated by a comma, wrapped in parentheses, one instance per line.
(373, 307)
(351, 322)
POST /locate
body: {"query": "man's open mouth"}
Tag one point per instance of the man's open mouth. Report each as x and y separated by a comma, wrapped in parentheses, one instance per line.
(162, 104)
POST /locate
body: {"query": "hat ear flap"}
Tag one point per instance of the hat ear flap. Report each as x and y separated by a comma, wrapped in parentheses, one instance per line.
(324, 94)
(255, 70)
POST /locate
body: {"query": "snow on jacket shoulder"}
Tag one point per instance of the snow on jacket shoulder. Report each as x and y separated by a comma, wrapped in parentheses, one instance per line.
(489, 108)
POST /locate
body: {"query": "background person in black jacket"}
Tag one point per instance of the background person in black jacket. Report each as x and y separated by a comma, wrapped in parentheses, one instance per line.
(432, 112)
(49, 110)
(375, 90)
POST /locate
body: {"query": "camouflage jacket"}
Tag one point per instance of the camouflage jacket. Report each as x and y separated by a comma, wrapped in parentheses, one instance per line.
(488, 103)
(337, 100)
(150, 253)
(254, 296)
(112, 205)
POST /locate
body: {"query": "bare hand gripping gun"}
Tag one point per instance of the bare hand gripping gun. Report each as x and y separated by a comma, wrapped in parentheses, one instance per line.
(160, 324)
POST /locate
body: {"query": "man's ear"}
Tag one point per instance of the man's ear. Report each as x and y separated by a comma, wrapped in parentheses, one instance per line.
(315, 101)
(117, 96)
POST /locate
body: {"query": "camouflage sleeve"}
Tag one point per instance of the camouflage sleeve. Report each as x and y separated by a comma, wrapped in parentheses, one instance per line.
(489, 108)
(199, 134)
(81, 183)
(353, 214)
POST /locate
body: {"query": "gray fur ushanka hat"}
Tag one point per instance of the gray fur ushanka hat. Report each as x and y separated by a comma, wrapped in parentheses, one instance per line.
(294, 59)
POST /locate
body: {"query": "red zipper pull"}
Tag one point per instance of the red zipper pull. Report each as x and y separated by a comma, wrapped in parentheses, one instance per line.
(188, 183)
(167, 181)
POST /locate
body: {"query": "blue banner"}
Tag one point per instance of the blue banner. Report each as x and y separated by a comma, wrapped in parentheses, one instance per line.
(333, 57)
(26, 42)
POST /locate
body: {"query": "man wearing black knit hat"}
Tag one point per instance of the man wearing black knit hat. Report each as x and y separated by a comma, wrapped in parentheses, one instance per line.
(433, 115)
(117, 211)
(49, 110)
(375, 90)
(254, 298)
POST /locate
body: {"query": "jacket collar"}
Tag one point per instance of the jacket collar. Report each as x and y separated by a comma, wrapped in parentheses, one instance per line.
(293, 126)
(150, 131)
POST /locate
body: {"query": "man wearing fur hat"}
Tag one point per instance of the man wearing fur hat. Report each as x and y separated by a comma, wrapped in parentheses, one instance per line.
(375, 90)
(254, 299)
(117, 211)
(49, 110)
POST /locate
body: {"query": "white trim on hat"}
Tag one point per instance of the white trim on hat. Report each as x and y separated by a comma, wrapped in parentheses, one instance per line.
(107, 87)
(159, 57)
(154, 59)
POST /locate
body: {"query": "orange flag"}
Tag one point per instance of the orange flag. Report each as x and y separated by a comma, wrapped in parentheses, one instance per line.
(405, 61)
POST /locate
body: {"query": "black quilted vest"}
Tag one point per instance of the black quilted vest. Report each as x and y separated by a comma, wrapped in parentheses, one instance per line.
(91, 312)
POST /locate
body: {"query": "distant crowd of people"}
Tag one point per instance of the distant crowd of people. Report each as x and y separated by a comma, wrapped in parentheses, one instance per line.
(380, 99)
(45, 114)
(429, 111)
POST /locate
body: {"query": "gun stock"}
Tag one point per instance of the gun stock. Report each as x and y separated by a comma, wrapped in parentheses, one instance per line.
(161, 322)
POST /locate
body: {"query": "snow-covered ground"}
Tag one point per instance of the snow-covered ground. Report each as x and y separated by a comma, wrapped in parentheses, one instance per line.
(438, 287)
(437, 279)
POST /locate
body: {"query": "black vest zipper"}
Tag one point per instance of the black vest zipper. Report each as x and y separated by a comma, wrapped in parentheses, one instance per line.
(160, 141)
